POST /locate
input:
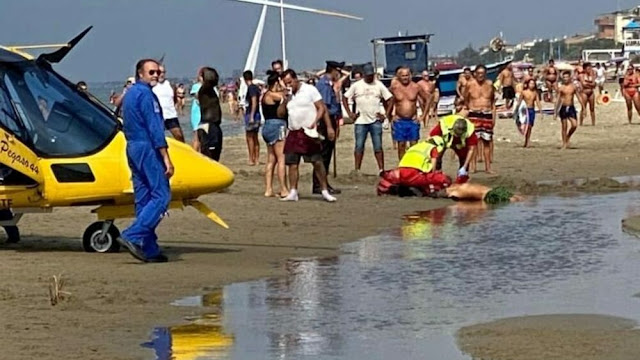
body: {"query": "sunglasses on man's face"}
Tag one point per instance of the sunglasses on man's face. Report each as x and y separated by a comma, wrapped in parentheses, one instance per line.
(155, 72)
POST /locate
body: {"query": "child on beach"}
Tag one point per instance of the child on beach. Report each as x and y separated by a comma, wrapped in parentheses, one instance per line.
(530, 97)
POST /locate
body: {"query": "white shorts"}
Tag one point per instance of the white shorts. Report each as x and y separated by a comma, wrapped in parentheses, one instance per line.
(484, 135)
(599, 82)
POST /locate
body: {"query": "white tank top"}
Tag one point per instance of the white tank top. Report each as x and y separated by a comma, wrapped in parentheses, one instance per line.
(164, 92)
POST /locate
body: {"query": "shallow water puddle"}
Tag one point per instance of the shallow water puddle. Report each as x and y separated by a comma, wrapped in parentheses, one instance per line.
(404, 294)
(203, 337)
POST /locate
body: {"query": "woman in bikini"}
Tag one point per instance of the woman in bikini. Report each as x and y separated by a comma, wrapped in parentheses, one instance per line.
(180, 93)
(577, 73)
(233, 104)
(630, 92)
(588, 82)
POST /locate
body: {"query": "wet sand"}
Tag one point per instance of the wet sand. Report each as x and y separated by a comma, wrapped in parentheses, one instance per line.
(632, 225)
(115, 301)
(552, 337)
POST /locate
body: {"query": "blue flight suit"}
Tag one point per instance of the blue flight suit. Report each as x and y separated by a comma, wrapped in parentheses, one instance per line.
(144, 130)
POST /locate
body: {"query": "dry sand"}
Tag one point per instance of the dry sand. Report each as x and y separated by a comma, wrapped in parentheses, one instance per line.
(115, 300)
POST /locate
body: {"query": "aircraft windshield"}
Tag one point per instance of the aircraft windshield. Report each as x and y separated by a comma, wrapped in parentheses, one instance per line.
(56, 120)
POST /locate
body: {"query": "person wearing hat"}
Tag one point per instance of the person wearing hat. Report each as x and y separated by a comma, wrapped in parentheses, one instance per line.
(367, 94)
(334, 110)
(459, 135)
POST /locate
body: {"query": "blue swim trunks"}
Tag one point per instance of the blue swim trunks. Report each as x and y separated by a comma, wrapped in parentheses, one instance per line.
(406, 130)
(532, 116)
(252, 126)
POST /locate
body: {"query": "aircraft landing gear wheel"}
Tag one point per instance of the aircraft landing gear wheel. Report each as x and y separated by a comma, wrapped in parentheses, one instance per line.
(101, 237)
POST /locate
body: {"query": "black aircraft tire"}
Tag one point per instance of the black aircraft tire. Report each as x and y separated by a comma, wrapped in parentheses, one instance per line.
(91, 242)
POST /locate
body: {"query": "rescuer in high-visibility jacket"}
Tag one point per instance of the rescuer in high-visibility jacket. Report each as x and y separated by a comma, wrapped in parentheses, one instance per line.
(458, 134)
(417, 169)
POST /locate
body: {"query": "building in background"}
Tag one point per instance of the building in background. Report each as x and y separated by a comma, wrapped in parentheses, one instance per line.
(606, 26)
(611, 25)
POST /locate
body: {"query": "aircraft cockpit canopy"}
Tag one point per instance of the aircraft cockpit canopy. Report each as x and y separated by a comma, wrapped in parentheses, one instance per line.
(47, 113)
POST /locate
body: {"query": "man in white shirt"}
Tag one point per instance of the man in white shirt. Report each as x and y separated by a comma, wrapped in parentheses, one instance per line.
(600, 77)
(305, 107)
(367, 94)
(166, 98)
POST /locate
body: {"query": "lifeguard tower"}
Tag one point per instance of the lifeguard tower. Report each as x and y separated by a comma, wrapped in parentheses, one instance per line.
(631, 36)
(392, 52)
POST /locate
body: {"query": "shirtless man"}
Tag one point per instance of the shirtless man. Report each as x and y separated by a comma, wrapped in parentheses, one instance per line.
(550, 78)
(530, 97)
(588, 94)
(528, 76)
(507, 81)
(394, 82)
(435, 91)
(477, 192)
(405, 122)
(479, 100)
(463, 79)
(427, 87)
(566, 109)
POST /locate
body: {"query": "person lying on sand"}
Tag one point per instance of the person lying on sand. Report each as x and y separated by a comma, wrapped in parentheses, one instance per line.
(477, 192)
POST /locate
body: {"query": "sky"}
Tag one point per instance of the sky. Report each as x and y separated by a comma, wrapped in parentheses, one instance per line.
(218, 33)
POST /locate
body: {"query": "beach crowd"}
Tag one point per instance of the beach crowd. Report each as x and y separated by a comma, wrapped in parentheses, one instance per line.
(301, 120)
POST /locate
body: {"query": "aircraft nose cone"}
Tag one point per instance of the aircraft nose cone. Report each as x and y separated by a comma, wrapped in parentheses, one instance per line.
(210, 176)
(196, 174)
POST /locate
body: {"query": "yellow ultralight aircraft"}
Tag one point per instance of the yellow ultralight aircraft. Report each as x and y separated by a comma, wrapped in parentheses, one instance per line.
(60, 146)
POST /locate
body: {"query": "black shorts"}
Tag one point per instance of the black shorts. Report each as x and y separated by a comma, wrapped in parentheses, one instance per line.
(568, 112)
(172, 123)
(211, 141)
(294, 159)
(508, 93)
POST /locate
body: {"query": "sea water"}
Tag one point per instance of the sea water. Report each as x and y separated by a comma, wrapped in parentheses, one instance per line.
(404, 293)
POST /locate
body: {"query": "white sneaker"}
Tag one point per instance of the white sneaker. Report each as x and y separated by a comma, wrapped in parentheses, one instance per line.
(293, 196)
(328, 197)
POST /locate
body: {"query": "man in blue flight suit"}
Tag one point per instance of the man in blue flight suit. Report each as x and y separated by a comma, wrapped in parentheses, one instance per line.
(334, 108)
(149, 162)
